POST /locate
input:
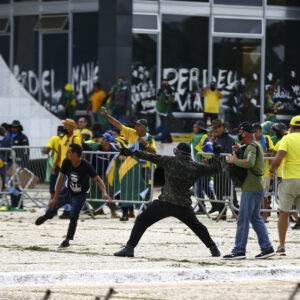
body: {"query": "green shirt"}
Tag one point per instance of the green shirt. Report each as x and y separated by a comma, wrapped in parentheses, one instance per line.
(255, 165)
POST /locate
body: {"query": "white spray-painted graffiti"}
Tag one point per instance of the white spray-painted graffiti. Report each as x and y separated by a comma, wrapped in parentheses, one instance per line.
(83, 77)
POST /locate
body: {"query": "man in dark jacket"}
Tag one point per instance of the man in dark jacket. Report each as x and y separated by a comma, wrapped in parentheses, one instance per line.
(222, 185)
(175, 199)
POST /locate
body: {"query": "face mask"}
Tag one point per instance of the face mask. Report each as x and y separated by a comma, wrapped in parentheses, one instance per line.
(213, 88)
(240, 137)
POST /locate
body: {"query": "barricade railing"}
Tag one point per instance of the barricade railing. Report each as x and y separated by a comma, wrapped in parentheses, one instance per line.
(127, 180)
(222, 188)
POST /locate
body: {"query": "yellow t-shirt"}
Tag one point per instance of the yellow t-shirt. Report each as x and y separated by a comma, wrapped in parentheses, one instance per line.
(64, 145)
(53, 144)
(279, 171)
(97, 100)
(291, 161)
(267, 162)
(130, 135)
(212, 102)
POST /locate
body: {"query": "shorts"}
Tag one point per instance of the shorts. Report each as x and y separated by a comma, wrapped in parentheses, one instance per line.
(53, 179)
(289, 194)
(267, 186)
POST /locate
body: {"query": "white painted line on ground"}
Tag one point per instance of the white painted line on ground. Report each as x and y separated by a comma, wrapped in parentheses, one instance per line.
(109, 277)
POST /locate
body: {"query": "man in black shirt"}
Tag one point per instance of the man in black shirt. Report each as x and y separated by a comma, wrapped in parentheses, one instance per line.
(78, 172)
(181, 172)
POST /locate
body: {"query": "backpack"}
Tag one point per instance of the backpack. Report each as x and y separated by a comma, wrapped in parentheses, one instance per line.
(239, 174)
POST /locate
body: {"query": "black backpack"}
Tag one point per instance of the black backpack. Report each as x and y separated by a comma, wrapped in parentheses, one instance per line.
(239, 174)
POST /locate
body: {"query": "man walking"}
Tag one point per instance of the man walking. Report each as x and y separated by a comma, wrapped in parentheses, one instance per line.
(78, 172)
(289, 188)
(181, 172)
(252, 195)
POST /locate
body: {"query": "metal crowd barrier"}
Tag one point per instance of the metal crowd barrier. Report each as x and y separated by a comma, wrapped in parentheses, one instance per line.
(127, 181)
(219, 189)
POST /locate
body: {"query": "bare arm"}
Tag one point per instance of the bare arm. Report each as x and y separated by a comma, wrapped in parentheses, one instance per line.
(202, 94)
(111, 120)
(102, 188)
(277, 160)
(58, 187)
(221, 96)
(57, 160)
(46, 150)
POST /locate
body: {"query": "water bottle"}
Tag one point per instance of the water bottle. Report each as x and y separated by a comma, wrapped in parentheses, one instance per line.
(211, 184)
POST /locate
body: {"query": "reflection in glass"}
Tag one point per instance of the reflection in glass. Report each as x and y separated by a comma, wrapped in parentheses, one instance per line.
(284, 2)
(236, 69)
(143, 80)
(185, 63)
(240, 2)
(237, 25)
(85, 66)
(283, 63)
(4, 48)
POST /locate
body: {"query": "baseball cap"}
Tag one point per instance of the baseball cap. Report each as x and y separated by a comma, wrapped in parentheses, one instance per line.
(295, 121)
(143, 122)
(256, 126)
(247, 127)
(183, 148)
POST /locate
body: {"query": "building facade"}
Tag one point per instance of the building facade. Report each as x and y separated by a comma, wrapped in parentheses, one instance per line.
(243, 45)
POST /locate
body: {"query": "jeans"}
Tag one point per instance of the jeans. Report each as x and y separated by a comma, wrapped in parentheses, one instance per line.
(77, 202)
(203, 187)
(158, 210)
(250, 213)
(166, 127)
(95, 117)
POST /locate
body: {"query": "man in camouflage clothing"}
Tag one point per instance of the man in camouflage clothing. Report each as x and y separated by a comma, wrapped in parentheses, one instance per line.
(181, 172)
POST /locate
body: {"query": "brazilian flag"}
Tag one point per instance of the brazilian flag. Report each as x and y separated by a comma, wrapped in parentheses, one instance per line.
(132, 181)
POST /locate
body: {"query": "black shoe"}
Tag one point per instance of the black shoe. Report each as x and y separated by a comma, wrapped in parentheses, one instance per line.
(200, 212)
(265, 253)
(125, 214)
(40, 220)
(233, 256)
(64, 245)
(296, 226)
(292, 219)
(124, 218)
(215, 251)
(65, 215)
(126, 251)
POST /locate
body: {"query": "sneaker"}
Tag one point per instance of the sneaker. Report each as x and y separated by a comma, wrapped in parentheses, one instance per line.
(296, 226)
(126, 251)
(233, 256)
(265, 253)
(215, 251)
(280, 251)
(40, 220)
(64, 245)
(65, 215)
(124, 218)
(200, 212)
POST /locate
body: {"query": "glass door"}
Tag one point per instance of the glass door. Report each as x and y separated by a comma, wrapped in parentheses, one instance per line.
(237, 72)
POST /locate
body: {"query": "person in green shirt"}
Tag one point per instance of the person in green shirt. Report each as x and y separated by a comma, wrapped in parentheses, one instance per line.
(69, 102)
(252, 195)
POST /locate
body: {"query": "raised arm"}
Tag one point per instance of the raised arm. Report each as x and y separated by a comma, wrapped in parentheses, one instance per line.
(111, 120)
(207, 170)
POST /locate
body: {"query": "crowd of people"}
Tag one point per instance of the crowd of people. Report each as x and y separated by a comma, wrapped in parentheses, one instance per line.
(268, 148)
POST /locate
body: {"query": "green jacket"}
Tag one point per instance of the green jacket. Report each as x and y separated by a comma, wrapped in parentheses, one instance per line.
(255, 164)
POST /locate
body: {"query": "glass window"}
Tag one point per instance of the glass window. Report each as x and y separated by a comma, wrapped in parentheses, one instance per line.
(143, 80)
(26, 53)
(54, 71)
(4, 1)
(237, 25)
(52, 23)
(283, 63)
(185, 64)
(4, 25)
(85, 55)
(284, 2)
(145, 21)
(236, 70)
(240, 2)
(4, 48)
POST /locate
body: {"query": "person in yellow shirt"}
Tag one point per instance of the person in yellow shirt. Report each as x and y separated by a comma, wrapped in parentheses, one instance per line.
(213, 98)
(288, 190)
(96, 101)
(53, 145)
(69, 138)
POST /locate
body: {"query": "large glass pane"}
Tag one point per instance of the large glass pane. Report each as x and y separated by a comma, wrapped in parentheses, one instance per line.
(237, 25)
(85, 67)
(284, 2)
(236, 70)
(283, 63)
(185, 63)
(55, 70)
(143, 80)
(240, 2)
(4, 48)
(4, 1)
(26, 53)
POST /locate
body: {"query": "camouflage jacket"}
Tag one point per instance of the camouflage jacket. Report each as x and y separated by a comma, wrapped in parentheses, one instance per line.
(181, 172)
